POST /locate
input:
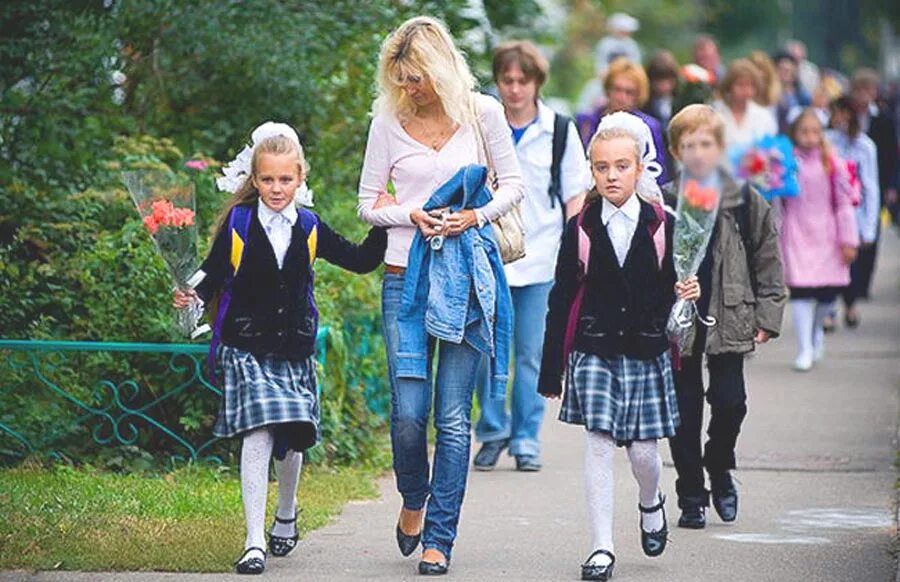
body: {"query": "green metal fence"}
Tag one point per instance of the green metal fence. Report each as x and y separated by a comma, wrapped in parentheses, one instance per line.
(114, 411)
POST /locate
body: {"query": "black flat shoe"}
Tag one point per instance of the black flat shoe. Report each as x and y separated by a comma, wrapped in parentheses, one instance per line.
(724, 496)
(593, 572)
(279, 546)
(407, 543)
(654, 543)
(252, 565)
(693, 517)
(852, 322)
(489, 454)
(433, 568)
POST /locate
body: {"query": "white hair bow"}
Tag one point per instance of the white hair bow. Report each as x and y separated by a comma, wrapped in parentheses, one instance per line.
(236, 172)
(635, 126)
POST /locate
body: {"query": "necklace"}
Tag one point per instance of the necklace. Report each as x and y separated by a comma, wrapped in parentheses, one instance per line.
(435, 134)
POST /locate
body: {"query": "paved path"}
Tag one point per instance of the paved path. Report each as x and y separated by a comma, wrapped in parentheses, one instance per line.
(817, 493)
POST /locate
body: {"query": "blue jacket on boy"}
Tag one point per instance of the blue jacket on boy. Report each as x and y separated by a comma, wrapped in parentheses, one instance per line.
(458, 292)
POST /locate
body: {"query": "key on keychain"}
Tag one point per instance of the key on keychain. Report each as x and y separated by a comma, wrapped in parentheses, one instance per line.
(437, 241)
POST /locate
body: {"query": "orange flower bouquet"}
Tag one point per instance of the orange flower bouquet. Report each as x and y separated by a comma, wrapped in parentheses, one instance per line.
(167, 209)
(695, 219)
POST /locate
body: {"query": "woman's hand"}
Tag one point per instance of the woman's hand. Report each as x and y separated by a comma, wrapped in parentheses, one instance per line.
(689, 289)
(384, 199)
(849, 254)
(459, 222)
(428, 225)
(183, 298)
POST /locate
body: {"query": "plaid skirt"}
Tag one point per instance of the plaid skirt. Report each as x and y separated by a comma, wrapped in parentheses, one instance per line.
(630, 399)
(268, 391)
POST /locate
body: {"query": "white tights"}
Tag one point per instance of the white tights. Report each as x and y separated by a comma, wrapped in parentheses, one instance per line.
(599, 480)
(255, 454)
(809, 327)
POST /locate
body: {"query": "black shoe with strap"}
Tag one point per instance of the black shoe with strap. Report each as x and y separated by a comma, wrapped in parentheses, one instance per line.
(251, 565)
(489, 454)
(654, 543)
(281, 546)
(591, 571)
(724, 496)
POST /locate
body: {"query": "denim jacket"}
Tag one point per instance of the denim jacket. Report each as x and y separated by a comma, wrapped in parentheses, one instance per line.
(458, 293)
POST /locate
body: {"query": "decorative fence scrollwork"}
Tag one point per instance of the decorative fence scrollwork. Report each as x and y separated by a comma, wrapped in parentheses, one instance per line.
(48, 377)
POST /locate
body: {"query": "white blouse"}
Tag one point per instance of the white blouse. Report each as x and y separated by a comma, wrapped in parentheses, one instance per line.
(416, 171)
(757, 123)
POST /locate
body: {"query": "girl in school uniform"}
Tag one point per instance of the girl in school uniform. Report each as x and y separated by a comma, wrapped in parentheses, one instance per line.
(259, 275)
(606, 329)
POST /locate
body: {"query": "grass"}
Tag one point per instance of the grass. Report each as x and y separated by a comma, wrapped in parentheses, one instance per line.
(190, 520)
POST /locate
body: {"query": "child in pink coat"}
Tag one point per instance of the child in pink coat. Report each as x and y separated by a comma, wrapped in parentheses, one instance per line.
(819, 237)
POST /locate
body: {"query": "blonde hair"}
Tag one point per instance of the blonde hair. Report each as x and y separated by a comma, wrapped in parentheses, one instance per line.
(610, 134)
(274, 145)
(771, 85)
(824, 147)
(631, 71)
(740, 69)
(422, 46)
(692, 118)
(278, 145)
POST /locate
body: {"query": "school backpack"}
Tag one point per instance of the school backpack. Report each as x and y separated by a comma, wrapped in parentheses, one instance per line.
(239, 227)
(560, 136)
(584, 252)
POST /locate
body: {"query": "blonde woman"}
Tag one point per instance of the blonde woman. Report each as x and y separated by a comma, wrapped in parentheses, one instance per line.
(426, 126)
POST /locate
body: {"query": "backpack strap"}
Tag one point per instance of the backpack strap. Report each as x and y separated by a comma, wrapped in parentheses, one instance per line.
(560, 136)
(658, 234)
(239, 227)
(742, 220)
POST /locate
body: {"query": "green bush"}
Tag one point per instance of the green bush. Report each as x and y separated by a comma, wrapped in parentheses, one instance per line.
(89, 89)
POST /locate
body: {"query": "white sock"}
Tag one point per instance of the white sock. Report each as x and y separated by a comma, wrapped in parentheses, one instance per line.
(645, 466)
(599, 451)
(288, 474)
(255, 454)
(804, 311)
(823, 310)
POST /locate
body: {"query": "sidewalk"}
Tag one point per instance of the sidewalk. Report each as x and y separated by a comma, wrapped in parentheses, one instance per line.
(816, 472)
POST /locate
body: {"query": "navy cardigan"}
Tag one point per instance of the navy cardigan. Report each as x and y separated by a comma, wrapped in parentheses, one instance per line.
(269, 312)
(624, 311)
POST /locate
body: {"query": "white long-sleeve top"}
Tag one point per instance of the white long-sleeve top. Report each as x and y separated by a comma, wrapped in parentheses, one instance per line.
(416, 171)
(862, 151)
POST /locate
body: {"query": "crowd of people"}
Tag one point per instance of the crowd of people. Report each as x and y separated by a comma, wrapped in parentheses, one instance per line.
(519, 242)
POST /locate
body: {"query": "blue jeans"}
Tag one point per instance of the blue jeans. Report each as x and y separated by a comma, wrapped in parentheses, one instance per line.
(527, 406)
(411, 402)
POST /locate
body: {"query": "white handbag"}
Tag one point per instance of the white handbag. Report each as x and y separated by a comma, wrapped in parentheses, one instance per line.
(509, 230)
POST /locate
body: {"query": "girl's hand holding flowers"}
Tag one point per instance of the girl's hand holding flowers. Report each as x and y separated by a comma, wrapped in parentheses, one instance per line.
(184, 298)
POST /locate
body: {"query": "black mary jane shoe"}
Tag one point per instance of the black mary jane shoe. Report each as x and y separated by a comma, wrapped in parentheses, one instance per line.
(654, 543)
(433, 568)
(406, 542)
(280, 546)
(724, 496)
(252, 565)
(594, 572)
(693, 517)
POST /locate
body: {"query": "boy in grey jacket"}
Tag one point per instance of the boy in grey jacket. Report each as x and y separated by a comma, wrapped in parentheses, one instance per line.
(743, 289)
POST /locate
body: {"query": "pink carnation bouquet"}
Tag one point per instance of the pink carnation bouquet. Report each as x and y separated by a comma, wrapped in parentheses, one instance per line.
(167, 209)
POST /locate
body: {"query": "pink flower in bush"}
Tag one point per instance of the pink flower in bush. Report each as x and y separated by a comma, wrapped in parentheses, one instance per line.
(199, 165)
